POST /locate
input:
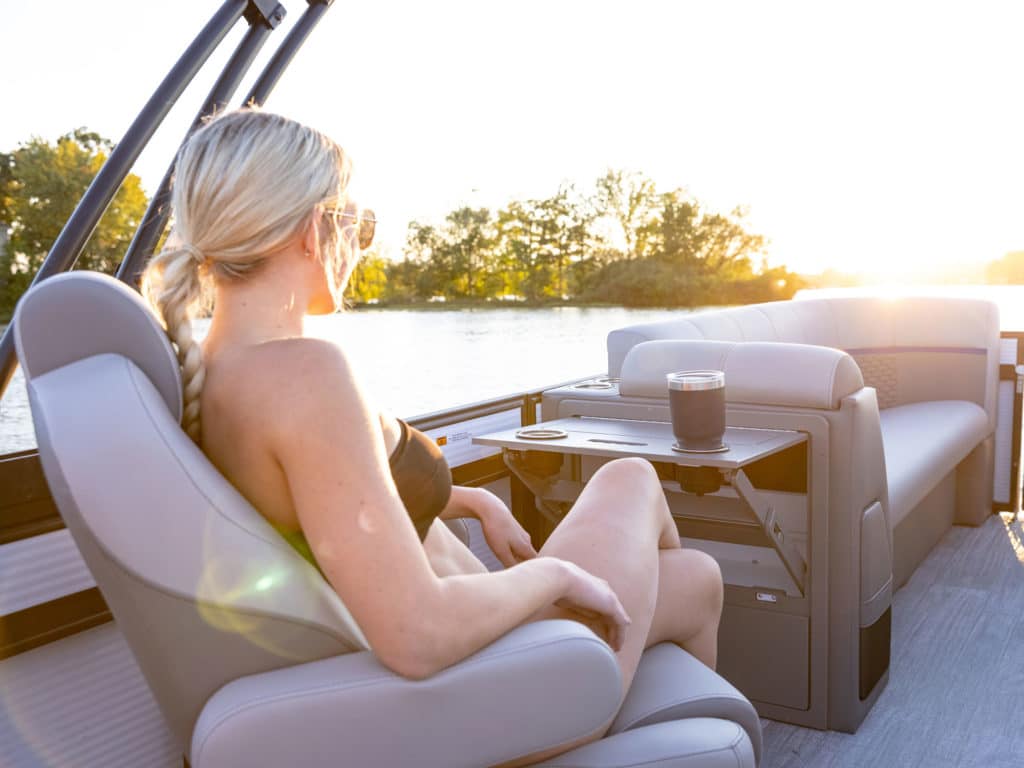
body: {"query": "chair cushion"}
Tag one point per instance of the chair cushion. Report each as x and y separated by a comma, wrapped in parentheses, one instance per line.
(923, 442)
(670, 684)
(700, 742)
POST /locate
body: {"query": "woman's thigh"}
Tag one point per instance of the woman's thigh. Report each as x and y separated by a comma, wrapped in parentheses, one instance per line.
(613, 532)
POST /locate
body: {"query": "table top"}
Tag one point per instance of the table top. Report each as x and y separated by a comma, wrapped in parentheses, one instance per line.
(652, 440)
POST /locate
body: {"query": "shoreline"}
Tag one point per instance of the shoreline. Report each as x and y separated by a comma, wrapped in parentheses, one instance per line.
(484, 304)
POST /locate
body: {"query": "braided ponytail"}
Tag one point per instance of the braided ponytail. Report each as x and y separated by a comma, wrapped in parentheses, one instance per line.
(173, 285)
(244, 185)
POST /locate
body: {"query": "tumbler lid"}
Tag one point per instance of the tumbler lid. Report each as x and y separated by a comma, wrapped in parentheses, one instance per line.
(695, 380)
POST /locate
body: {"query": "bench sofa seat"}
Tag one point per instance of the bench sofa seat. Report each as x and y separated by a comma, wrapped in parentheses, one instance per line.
(924, 442)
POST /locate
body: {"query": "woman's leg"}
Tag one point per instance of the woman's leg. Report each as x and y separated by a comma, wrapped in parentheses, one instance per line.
(689, 604)
(618, 529)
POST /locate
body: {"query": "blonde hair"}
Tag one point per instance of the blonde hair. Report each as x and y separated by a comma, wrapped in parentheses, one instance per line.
(245, 185)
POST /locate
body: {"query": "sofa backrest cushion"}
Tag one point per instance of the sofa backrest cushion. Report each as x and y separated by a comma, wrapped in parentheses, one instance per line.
(762, 373)
(910, 350)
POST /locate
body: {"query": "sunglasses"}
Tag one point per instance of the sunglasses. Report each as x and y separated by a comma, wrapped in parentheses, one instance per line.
(365, 220)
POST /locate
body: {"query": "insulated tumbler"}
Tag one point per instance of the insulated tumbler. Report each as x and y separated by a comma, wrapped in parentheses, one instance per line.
(696, 401)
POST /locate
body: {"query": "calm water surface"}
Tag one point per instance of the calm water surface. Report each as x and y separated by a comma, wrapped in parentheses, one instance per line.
(413, 362)
(418, 361)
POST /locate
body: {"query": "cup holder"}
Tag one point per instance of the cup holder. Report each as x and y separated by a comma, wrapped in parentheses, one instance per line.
(601, 382)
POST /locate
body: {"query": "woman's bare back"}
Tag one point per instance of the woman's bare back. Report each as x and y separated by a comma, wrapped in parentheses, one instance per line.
(242, 403)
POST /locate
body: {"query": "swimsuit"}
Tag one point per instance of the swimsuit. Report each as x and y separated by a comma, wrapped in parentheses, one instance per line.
(423, 480)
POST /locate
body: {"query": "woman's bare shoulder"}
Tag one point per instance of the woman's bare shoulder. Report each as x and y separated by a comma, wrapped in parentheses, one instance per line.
(286, 379)
(291, 364)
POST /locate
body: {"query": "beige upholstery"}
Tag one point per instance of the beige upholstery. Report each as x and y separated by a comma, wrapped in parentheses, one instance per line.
(932, 342)
(911, 351)
(924, 442)
(756, 372)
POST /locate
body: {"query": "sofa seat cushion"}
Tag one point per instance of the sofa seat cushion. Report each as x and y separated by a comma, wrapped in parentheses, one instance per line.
(923, 442)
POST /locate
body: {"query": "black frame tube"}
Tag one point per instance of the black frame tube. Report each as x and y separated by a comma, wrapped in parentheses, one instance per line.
(72, 239)
(286, 52)
(158, 211)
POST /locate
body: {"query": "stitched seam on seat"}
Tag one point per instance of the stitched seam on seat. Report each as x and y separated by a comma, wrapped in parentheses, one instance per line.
(734, 745)
(387, 676)
(668, 761)
(831, 382)
(771, 323)
(718, 699)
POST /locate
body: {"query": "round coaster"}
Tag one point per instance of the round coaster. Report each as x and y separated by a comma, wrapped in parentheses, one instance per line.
(541, 433)
(720, 449)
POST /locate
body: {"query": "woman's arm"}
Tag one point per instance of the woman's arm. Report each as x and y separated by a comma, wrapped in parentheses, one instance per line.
(507, 539)
(332, 452)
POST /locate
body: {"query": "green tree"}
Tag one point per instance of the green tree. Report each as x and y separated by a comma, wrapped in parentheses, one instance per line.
(40, 185)
(424, 246)
(514, 257)
(627, 201)
(369, 281)
(467, 241)
(691, 257)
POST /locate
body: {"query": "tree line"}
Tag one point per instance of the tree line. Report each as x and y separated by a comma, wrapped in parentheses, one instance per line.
(625, 243)
(622, 242)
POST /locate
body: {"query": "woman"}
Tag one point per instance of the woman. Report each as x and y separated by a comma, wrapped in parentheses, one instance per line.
(261, 212)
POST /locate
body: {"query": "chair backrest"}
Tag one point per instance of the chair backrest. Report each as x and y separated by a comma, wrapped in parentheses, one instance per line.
(202, 587)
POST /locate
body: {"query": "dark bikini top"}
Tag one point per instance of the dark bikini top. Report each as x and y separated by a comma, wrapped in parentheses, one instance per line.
(423, 480)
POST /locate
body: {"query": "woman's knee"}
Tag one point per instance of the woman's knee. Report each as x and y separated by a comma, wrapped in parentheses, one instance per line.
(709, 573)
(633, 473)
(701, 576)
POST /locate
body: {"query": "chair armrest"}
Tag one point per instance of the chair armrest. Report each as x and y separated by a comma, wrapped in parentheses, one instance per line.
(670, 684)
(541, 685)
(699, 742)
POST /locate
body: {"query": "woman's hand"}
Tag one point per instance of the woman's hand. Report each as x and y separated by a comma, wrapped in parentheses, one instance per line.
(505, 536)
(596, 603)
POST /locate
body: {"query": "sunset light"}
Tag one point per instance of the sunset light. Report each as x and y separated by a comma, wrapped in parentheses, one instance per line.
(455, 383)
(878, 137)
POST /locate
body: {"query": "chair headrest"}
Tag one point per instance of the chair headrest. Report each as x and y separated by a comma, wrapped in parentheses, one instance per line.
(76, 315)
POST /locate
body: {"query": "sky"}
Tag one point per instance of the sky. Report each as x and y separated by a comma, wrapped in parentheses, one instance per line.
(885, 137)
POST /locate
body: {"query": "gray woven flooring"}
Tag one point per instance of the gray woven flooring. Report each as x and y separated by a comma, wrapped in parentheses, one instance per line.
(956, 685)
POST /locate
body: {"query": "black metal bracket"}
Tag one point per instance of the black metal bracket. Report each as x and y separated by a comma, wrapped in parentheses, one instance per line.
(286, 52)
(267, 12)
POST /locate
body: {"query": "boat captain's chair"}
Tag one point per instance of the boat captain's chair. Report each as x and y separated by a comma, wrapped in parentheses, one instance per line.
(252, 657)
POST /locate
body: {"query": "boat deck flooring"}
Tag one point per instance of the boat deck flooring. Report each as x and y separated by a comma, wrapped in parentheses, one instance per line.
(956, 681)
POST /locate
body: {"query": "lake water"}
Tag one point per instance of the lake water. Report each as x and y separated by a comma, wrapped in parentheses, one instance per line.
(418, 361)
(413, 362)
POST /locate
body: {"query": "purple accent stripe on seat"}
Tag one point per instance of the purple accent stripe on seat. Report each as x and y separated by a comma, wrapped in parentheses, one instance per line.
(892, 350)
